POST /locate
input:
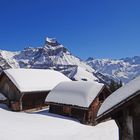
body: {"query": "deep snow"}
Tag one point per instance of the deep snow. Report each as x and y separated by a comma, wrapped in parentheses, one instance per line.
(46, 126)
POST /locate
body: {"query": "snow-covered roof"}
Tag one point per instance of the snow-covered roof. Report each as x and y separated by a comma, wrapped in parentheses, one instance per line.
(28, 80)
(2, 97)
(120, 95)
(79, 93)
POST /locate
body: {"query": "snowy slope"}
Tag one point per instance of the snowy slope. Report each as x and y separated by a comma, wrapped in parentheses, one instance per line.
(124, 69)
(82, 74)
(52, 56)
(45, 126)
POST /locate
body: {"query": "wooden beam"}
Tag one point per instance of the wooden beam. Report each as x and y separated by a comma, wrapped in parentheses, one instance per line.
(127, 130)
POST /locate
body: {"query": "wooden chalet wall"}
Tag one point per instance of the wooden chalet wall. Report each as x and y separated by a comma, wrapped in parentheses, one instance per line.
(33, 100)
(92, 110)
(128, 120)
(18, 100)
(104, 94)
(95, 105)
(84, 115)
(69, 111)
(10, 91)
(8, 88)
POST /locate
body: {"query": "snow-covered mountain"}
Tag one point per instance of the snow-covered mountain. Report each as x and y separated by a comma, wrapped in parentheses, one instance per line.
(52, 56)
(7, 60)
(124, 69)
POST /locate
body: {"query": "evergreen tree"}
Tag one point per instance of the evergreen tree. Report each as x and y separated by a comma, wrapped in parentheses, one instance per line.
(120, 84)
(115, 85)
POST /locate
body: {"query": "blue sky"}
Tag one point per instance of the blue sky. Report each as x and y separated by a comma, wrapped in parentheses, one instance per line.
(97, 28)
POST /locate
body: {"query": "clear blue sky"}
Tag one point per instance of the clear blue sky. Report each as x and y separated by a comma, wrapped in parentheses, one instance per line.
(98, 28)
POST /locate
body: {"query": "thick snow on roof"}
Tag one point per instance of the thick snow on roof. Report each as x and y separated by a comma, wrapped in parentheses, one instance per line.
(46, 126)
(2, 97)
(78, 93)
(28, 80)
(120, 95)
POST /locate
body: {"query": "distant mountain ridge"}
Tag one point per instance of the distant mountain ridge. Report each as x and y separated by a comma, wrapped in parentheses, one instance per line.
(124, 69)
(52, 55)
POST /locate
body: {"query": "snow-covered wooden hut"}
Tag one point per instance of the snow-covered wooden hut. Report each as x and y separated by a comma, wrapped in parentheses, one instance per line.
(77, 99)
(28, 88)
(124, 106)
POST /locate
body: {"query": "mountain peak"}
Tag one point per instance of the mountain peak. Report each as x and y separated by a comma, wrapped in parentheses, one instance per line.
(52, 56)
(51, 42)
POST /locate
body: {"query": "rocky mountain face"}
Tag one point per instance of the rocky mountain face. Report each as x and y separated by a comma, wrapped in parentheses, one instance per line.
(7, 60)
(124, 69)
(52, 56)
